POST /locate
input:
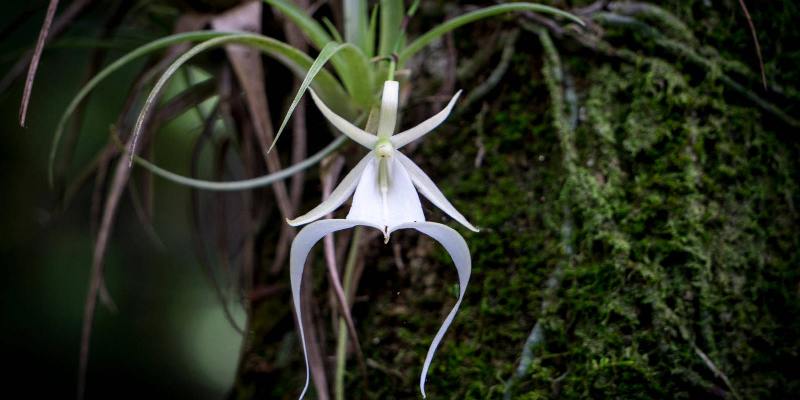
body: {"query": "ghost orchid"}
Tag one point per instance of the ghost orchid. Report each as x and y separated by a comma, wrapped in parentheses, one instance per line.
(385, 198)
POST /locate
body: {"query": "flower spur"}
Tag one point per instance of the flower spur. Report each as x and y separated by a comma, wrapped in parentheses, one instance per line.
(385, 198)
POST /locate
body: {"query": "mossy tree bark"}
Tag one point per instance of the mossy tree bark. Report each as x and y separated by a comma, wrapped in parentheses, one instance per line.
(639, 224)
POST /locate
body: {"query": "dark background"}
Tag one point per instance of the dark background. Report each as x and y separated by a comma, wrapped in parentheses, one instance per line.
(168, 337)
(662, 258)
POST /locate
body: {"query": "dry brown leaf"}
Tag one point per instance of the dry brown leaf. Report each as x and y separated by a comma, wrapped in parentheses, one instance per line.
(249, 71)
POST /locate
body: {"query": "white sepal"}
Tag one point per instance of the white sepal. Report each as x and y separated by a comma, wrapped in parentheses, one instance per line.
(403, 138)
(337, 197)
(389, 103)
(358, 135)
(429, 189)
(459, 252)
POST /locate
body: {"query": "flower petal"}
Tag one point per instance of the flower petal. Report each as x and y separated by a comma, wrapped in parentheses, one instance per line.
(391, 94)
(353, 132)
(301, 246)
(406, 137)
(401, 203)
(459, 252)
(428, 189)
(337, 197)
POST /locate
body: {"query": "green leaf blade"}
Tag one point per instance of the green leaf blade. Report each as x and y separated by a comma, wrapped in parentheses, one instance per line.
(327, 52)
(356, 72)
(242, 184)
(113, 67)
(355, 23)
(477, 15)
(392, 14)
(315, 32)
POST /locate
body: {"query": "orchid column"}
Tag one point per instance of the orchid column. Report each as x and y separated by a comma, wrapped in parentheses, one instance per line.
(385, 183)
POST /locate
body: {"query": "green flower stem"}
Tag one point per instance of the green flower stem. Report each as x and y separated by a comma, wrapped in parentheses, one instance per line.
(392, 68)
(349, 293)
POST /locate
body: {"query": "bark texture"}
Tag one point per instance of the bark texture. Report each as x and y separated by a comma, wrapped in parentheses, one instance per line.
(636, 188)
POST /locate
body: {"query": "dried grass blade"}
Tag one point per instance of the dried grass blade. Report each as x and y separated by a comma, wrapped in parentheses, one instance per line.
(118, 185)
(110, 27)
(37, 55)
(299, 135)
(121, 176)
(57, 27)
(197, 231)
(249, 71)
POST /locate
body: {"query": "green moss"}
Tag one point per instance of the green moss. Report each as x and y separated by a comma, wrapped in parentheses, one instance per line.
(684, 244)
(667, 214)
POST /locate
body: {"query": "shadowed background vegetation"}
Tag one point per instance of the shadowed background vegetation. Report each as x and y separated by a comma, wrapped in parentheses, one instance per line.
(635, 182)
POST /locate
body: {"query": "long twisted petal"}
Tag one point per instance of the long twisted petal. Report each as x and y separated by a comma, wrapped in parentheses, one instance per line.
(353, 132)
(403, 138)
(301, 246)
(337, 197)
(459, 252)
(453, 243)
(429, 189)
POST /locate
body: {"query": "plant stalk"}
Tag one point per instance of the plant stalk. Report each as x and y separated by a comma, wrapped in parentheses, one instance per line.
(349, 293)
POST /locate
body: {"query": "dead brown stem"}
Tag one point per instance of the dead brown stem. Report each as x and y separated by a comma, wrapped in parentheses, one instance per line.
(328, 183)
(249, 71)
(56, 29)
(37, 55)
(314, 351)
(121, 175)
(755, 42)
(70, 140)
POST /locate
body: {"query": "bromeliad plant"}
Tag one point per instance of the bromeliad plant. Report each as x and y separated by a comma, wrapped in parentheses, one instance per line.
(358, 60)
(361, 85)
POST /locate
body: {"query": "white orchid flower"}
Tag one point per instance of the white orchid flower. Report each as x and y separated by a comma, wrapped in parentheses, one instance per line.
(385, 198)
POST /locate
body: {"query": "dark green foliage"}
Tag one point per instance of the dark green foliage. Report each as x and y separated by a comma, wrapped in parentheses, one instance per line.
(682, 198)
